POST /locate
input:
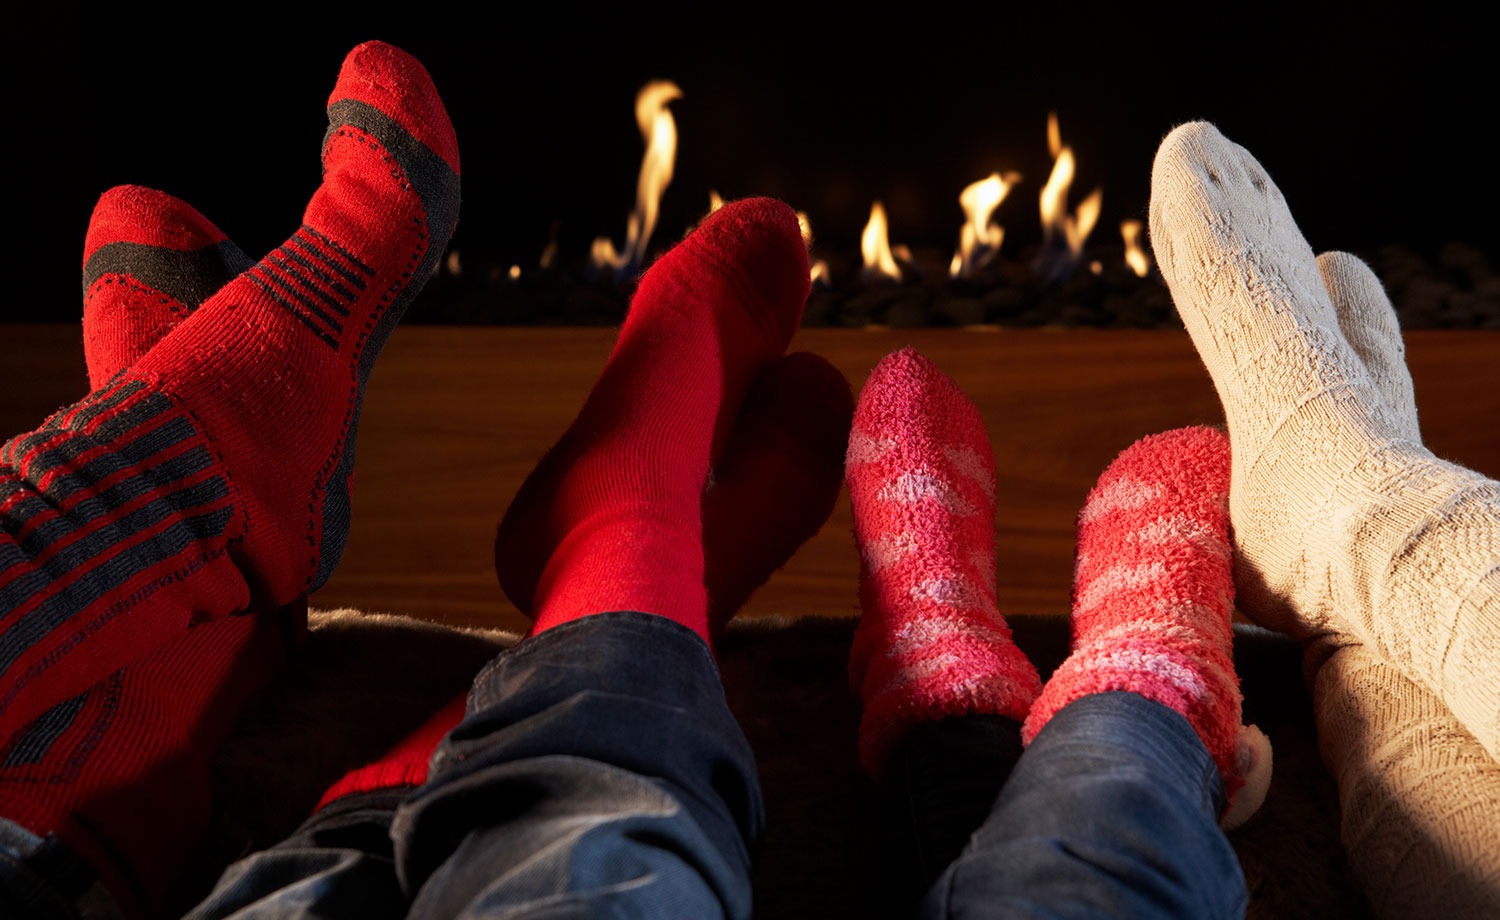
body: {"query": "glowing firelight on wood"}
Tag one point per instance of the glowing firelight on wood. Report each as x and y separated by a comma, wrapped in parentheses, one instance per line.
(1073, 229)
(818, 270)
(1135, 256)
(979, 240)
(875, 245)
(659, 131)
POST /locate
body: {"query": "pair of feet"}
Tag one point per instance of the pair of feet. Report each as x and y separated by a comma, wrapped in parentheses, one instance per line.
(1153, 589)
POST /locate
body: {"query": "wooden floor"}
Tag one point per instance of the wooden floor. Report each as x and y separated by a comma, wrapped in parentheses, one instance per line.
(455, 418)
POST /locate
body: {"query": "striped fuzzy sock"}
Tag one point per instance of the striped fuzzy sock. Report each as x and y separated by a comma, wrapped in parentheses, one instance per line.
(1153, 593)
(217, 468)
(931, 643)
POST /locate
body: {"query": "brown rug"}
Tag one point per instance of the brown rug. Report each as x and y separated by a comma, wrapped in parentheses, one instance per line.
(365, 680)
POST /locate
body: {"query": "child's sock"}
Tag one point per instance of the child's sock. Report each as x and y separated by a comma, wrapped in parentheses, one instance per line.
(931, 642)
(219, 464)
(1153, 592)
(612, 517)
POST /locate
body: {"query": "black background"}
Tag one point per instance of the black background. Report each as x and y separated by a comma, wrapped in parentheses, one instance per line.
(1374, 119)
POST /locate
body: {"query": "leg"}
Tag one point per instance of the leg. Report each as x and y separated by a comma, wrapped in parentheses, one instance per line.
(1345, 525)
(158, 501)
(1111, 812)
(1420, 797)
(624, 786)
(598, 767)
(1135, 744)
(120, 514)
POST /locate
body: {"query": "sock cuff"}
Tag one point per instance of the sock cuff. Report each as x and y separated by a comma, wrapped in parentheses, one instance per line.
(407, 763)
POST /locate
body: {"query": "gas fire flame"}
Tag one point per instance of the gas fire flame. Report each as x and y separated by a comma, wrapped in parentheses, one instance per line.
(875, 245)
(818, 270)
(1056, 222)
(979, 240)
(1135, 256)
(659, 131)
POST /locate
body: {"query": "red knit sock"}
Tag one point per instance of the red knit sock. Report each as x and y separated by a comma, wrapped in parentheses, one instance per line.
(219, 464)
(774, 488)
(778, 479)
(611, 519)
(931, 641)
(406, 763)
(1153, 592)
(149, 260)
(121, 773)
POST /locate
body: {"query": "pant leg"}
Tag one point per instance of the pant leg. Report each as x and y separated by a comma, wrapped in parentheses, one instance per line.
(939, 785)
(598, 772)
(338, 864)
(1112, 813)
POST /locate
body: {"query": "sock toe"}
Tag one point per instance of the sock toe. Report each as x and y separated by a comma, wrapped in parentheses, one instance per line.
(757, 244)
(136, 214)
(1368, 321)
(395, 83)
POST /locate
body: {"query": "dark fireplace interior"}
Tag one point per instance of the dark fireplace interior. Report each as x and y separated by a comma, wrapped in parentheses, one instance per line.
(1372, 119)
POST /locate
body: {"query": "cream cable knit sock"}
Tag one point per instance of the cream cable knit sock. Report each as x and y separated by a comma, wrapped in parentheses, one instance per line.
(1343, 522)
(1420, 798)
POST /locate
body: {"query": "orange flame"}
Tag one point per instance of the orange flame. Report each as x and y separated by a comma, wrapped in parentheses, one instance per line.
(1075, 228)
(979, 240)
(818, 270)
(1135, 255)
(659, 131)
(715, 201)
(875, 245)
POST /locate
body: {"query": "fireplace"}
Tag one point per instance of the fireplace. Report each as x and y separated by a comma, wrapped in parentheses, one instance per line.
(906, 135)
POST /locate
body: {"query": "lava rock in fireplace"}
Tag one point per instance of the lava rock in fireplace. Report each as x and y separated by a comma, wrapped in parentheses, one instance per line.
(1454, 288)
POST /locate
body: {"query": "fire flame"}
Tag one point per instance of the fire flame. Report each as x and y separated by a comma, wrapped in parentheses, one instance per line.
(875, 245)
(818, 270)
(979, 240)
(1135, 256)
(659, 131)
(1074, 229)
(715, 201)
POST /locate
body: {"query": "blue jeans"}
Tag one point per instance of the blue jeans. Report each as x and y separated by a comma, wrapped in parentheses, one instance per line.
(599, 772)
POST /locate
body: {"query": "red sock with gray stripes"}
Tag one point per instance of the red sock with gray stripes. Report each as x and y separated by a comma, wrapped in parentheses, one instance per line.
(787, 443)
(217, 468)
(1153, 593)
(931, 642)
(120, 773)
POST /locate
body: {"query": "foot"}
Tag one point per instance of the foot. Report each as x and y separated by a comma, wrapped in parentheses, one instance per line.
(149, 261)
(1343, 523)
(611, 519)
(931, 642)
(1153, 594)
(778, 479)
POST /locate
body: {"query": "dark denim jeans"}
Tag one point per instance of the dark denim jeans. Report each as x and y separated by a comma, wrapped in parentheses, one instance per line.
(599, 773)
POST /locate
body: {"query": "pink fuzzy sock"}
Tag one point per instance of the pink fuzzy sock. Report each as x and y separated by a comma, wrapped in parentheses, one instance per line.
(931, 643)
(1153, 592)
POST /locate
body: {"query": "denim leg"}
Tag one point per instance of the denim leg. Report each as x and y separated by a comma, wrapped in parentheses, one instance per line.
(598, 772)
(337, 864)
(939, 785)
(1111, 812)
